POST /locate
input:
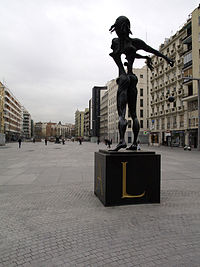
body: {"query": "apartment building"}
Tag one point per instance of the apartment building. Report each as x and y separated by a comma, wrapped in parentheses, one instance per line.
(112, 111)
(176, 123)
(69, 130)
(12, 113)
(2, 135)
(86, 124)
(104, 115)
(79, 123)
(191, 67)
(141, 109)
(95, 120)
(26, 128)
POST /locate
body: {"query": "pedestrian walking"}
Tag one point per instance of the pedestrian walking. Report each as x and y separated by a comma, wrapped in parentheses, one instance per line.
(34, 140)
(63, 141)
(45, 140)
(80, 141)
(20, 142)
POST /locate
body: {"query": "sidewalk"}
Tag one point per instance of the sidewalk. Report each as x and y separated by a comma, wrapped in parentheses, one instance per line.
(49, 215)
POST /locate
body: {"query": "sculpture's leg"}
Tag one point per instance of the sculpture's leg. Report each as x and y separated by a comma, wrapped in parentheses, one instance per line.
(132, 104)
(123, 84)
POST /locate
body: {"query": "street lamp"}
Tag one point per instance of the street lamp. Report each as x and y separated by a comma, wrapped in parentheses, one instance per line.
(198, 80)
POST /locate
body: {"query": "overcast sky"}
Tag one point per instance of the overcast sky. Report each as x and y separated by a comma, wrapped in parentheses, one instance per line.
(52, 52)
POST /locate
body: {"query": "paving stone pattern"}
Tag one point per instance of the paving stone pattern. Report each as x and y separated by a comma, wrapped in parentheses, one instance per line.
(49, 215)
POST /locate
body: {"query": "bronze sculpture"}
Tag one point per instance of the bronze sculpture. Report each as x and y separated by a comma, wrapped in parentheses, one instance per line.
(127, 80)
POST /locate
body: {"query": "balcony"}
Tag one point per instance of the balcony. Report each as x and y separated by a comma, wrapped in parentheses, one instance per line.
(173, 110)
(173, 93)
(179, 48)
(179, 77)
(187, 64)
(172, 52)
(180, 91)
(180, 62)
(180, 108)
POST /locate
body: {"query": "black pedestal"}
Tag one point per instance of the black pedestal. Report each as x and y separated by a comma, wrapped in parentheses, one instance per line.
(122, 178)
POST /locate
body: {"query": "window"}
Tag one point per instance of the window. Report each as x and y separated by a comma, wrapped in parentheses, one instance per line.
(141, 123)
(141, 91)
(141, 113)
(187, 58)
(129, 115)
(199, 20)
(190, 90)
(141, 75)
(199, 36)
(129, 123)
(141, 102)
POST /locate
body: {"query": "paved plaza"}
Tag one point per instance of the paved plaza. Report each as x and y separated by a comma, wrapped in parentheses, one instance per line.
(49, 215)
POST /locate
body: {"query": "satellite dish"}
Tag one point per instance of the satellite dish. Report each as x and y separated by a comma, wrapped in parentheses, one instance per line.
(171, 99)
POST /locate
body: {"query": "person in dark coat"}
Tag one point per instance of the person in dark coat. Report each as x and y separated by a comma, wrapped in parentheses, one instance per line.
(20, 142)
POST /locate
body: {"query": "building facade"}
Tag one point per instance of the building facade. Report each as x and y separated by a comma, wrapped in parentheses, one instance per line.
(12, 113)
(79, 124)
(87, 124)
(141, 109)
(40, 130)
(96, 96)
(191, 67)
(104, 115)
(26, 130)
(175, 123)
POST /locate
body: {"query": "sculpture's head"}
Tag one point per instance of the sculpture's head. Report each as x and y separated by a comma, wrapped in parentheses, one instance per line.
(121, 27)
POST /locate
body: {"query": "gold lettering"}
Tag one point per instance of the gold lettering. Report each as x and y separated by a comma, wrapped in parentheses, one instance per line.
(124, 192)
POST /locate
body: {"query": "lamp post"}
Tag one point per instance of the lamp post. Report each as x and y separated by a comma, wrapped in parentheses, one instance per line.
(198, 80)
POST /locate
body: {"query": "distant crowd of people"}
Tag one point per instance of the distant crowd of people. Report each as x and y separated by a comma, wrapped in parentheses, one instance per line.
(107, 142)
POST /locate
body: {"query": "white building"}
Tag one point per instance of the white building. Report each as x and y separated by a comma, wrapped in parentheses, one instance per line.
(26, 124)
(142, 109)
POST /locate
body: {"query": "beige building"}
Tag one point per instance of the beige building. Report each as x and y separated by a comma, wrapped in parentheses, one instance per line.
(142, 109)
(26, 124)
(40, 129)
(103, 115)
(175, 123)
(191, 67)
(86, 124)
(12, 115)
(2, 135)
(79, 123)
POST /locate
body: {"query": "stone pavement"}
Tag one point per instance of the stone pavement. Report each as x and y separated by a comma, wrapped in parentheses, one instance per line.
(49, 215)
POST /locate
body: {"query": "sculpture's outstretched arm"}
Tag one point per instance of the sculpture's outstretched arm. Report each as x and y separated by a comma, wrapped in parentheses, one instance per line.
(142, 45)
(148, 61)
